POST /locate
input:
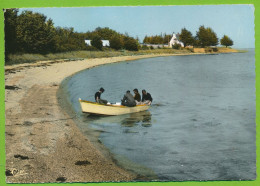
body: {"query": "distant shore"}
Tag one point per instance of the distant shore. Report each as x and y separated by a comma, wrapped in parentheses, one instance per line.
(43, 144)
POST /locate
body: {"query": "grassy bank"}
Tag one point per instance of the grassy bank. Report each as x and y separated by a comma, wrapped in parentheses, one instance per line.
(78, 55)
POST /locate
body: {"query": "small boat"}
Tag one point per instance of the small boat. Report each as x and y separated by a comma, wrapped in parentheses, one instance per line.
(109, 109)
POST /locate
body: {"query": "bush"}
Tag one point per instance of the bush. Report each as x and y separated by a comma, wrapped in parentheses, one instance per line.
(176, 46)
(96, 42)
(91, 48)
(131, 44)
(116, 42)
(145, 47)
(215, 49)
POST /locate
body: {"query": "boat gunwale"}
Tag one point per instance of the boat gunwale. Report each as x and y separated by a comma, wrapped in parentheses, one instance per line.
(120, 106)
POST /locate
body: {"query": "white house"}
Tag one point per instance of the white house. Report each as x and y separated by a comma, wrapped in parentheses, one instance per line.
(174, 40)
(105, 43)
(88, 42)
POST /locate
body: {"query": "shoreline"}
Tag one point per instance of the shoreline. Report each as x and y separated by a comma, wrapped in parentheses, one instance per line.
(93, 136)
(43, 143)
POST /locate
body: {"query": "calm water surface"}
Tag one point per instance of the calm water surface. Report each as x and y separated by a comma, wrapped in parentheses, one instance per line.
(201, 125)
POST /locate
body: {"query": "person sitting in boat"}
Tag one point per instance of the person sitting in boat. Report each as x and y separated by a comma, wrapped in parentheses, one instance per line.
(128, 100)
(137, 96)
(98, 95)
(146, 97)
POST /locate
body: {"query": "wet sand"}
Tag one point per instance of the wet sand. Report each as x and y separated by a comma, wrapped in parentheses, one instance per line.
(43, 144)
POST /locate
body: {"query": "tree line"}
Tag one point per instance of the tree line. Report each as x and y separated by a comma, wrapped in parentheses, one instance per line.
(32, 32)
(157, 39)
(204, 37)
(117, 40)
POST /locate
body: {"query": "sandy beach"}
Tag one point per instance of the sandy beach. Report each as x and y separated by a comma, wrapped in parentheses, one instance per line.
(43, 144)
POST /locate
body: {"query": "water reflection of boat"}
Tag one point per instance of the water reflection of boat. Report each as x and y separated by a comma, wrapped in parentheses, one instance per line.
(111, 110)
(127, 120)
(143, 118)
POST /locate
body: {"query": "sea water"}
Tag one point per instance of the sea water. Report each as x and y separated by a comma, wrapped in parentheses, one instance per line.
(201, 125)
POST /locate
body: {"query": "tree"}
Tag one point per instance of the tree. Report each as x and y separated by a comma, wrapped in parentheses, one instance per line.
(206, 37)
(68, 40)
(105, 33)
(166, 38)
(96, 42)
(34, 33)
(10, 31)
(147, 40)
(186, 37)
(131, 44)
(226, 41)
(116, 42)
(157, 39)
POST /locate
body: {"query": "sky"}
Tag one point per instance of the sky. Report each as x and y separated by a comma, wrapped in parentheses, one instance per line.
(235, 21)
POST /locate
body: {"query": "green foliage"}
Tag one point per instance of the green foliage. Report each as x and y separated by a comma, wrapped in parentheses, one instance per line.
(226, 41)
(186, 37)
(105, 33)
(176, 46)
(96, 42)
(167, 38)
(83, 54)
(144, 47)
(131, 44)
(206, 37)
(10, 31)
(196, 43)
(157, 39)
(116, 42)
(91, 48)
(67, 40)
(34, 33)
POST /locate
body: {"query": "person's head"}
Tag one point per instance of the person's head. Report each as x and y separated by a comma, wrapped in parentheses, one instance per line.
(128, 91)
(135, 90)
(144, 91)
(102, 90)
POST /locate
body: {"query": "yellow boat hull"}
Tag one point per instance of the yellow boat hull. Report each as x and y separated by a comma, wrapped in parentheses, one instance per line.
(110, 110)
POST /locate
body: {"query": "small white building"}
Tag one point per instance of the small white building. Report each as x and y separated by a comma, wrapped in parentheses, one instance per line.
(174, 40)
(105, 43)
(88, 42)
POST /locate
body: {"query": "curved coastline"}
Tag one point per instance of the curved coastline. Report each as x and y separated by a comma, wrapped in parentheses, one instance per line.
(43, 144)
(139, 172)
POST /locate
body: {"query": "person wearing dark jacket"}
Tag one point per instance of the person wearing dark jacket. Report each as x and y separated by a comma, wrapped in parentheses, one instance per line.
(98, 96)
(128, 100)
(146, 97)
(137, 96)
